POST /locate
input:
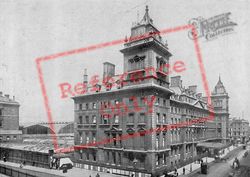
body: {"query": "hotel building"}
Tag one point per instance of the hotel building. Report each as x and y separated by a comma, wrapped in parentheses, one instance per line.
(168, 146)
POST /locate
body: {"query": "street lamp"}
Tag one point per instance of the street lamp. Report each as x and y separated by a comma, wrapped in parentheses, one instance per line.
(135, 161)
(192, 152)
(206, 155)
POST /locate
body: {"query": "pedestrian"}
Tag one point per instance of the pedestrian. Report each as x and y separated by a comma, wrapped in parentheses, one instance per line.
(184, 170)
(21, 165)
(175, 171)
(97, 175)
(237, 162)
(4, 158)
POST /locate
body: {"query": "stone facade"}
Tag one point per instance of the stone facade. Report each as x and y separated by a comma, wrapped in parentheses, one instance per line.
(139, 104)
(9, 119)
(239, 130)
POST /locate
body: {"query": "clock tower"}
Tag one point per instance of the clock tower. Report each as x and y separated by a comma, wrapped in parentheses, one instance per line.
(220, 101)
(145, 54)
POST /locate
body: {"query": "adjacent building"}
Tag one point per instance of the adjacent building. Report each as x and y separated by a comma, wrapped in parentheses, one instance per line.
(145, 98)
(9, 119)
(239, 130)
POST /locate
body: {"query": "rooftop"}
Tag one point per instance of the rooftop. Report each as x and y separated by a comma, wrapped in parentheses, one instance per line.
(5, 99)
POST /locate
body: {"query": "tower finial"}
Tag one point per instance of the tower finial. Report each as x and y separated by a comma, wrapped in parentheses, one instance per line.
(219, 78)
(138, 17)
(146, 8)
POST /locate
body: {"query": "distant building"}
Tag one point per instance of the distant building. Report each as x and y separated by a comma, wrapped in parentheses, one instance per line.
(42, 132)
(167, 146)
(239, 130)
(9, 119)
(44, 128)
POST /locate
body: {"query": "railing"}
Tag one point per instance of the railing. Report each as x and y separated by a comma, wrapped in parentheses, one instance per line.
(11, 172)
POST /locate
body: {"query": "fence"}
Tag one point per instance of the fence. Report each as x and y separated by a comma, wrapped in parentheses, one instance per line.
(12, 172)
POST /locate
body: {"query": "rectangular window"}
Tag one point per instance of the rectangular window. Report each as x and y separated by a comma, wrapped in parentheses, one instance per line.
(105, 119)
(87, 106)
(131, 101)
(164, 103)
(116, 121)
(80, 106)
(142, 118)
(94, 156)
(157, 101)
(87, 155)
(119, 158)
(142, 101)
(94, 137)
(108, 157)
(80, 119)
(87, 119)
(131, 118)
(87, 138)
(80, 154)
(157, 141)
(94, 119)
(164, 119)
(94, 105)
(114, 157)
(158, 118)
(114, 139)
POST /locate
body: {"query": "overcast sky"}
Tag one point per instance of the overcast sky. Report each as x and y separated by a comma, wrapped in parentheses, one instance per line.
(31, 29)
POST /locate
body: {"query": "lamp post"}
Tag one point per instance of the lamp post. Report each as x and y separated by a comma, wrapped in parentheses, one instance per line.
(192, 151)
(206, 155)
(135, 161)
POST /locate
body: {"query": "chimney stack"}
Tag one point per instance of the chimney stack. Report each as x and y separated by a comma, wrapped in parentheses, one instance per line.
(176, 81)
(108, 70)
(85, 76)
(199, 95)
(193, 88)
(13, 98)
(7, 95)
(1, 93)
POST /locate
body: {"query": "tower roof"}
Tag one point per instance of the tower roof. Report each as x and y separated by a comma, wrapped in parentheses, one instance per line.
(219, 88)
(146, 18)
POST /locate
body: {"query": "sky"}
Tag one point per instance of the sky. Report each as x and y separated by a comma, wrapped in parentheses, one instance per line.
(32, 29)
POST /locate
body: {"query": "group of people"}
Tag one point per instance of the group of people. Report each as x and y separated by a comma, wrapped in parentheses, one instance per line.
(54, 163)
(236, 163)
(97, 175)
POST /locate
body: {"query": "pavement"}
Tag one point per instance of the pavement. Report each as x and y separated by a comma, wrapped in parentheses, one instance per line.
(75, 172)
(221, 169)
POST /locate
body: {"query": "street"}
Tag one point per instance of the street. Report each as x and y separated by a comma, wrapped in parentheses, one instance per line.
(223, 169)
(244, 170)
